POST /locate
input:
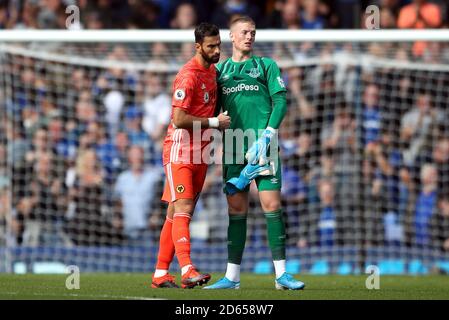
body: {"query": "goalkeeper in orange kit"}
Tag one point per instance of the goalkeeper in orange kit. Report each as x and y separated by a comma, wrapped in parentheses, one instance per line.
(193, 102)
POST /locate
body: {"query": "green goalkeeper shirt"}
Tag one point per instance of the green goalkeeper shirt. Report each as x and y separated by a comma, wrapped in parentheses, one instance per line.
(245, 90)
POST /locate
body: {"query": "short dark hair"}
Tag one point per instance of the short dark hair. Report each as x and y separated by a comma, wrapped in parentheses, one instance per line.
(205, 29)
(246, 19)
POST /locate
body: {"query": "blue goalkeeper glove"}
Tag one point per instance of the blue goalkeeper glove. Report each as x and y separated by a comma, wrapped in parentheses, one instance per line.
(248, 173)
(257, 153)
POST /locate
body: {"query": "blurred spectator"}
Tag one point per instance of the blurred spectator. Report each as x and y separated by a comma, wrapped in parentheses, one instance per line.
(289, 16)
(324, 170)
(88, 223)
(371, 115)
(310, 17)
(420, 14)
(3, 15)
(106, 151)
(39, 146)
(393, 5)
(303, 114)
(326, 97)
(327, 220)
(387, 19)
(185, 17)
(400, 100)
(17, 144)
(388, 159)
(43, 207)
(144, 15)
(274, 15)
(48, 111)
(136, 192)
(113, 102)
(42, 144)
(223, 13)
(297, 154)
(186, 52)
(47, 18)
(27, 18)
(133, 127)
(294, 194)
(440, 224)
(30, 116)
(93, 21)
(340, 136)
(440, 157)
(4, 212)
(85, 110)
(418, 128)
(406, 190)
(316, 14)
(56, 137)
(157, 108)
(426, 205)
(121, 142)
(4, 179)
(5, 207)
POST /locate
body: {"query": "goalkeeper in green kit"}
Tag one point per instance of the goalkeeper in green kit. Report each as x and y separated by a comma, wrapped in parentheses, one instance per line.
(251, 90)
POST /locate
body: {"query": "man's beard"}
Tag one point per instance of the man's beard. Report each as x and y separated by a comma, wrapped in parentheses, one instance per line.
(213, 59)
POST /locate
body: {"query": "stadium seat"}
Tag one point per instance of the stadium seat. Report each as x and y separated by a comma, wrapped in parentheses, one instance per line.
(263, 267)
(391, 266)
(443, 266)
(49, 268)
(344, 268)
(20, 268)
(417, 267)
(293, 266)
(320, 267)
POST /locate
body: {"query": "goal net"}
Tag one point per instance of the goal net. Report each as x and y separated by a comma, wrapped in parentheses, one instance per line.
(364, 148)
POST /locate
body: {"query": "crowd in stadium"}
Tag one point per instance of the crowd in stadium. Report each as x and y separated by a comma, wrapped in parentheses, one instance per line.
(181, 14)
(376, 161)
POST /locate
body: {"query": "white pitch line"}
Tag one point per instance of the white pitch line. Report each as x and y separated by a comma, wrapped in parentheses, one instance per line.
(85, 295)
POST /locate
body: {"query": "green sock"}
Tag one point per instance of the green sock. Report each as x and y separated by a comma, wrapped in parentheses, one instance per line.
(236, 238)
(276, 234)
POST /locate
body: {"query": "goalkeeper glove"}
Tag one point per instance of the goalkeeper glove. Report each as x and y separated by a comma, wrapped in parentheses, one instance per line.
(248, 173)
(257, 154)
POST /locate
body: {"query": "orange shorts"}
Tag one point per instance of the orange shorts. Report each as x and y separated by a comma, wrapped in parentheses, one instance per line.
(183, 181)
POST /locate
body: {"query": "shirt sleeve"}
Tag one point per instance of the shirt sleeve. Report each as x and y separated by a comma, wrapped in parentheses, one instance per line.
(274, 78)
(183, 90)
(279, 109)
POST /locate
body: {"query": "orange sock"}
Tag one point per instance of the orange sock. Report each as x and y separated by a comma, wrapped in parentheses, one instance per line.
(166, 246)
(181, 238)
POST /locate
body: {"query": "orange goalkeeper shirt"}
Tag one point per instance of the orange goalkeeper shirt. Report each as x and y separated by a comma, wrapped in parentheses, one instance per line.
(194, 91)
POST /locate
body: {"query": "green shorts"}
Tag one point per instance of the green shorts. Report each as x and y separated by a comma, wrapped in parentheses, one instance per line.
(264, 183)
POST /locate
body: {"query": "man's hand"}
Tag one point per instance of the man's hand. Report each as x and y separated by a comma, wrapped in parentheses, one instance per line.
(224, 121)
(249, 173)
(257, 154)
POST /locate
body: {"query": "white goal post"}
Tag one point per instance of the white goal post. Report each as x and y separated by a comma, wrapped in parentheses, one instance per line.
(263, 35)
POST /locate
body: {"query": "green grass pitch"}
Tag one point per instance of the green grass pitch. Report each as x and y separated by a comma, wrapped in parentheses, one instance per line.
(258, 287)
